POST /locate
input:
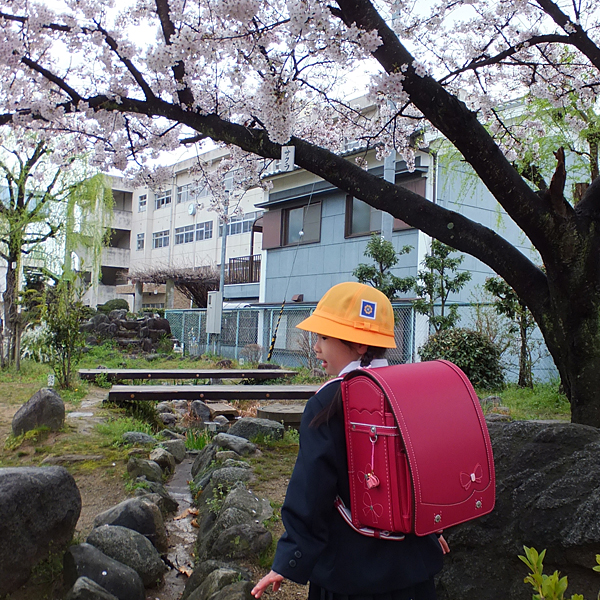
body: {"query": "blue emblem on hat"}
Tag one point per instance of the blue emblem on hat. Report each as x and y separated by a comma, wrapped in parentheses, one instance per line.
(368, 309)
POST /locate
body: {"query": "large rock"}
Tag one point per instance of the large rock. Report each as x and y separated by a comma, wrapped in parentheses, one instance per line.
(176, 448)
(215, 582)
(140, 467)
(204, 568)
(233, 442)
(548, 497)
(157, 493)
(252, 428)
(87, 589)
(39, 509)
(130, 548)
(137, 437)
(44, 408)
(241, 541)
(140, 515)
(85, 560)
(200, 410)
(204, 459)
(164, 459)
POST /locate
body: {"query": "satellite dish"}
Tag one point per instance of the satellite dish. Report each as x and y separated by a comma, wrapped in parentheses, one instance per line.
(192, 208)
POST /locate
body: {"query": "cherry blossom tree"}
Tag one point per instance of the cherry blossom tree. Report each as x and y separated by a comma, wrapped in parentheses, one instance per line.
(257, 74)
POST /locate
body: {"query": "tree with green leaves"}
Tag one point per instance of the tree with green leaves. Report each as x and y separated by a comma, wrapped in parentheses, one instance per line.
(42, 189)
(63, 312)
(379, 275)
(434, 284)
(507, 303)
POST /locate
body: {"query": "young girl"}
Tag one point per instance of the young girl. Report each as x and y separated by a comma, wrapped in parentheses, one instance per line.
(354, 324)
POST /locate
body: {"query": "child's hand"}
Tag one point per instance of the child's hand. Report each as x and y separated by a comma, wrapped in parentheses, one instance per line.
(265, 582)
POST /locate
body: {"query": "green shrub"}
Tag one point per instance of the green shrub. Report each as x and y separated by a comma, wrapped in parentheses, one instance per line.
(548, 587)
(114, 304)
(475, 354)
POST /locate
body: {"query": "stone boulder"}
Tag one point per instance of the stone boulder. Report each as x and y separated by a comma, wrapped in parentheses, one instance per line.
(548, 497)
(233, 442)
(217, 581)
(204, 568)
(87, 589)
(85, 560)
(252, 428)
(176, 448)
(158, 494)
(137, 437)
(164, 459)
(130, 548)
(203, 459)
(44, 408)
(138, 514)
(241, 541)
(200, 410)
(40, 508)
(140, 467)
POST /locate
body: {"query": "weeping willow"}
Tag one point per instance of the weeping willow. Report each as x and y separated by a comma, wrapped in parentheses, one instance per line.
(50, 209)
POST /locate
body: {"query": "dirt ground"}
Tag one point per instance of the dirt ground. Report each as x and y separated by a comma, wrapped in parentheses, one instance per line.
(102, 488)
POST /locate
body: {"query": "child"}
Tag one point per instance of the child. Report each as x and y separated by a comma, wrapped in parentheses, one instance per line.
(354, 324)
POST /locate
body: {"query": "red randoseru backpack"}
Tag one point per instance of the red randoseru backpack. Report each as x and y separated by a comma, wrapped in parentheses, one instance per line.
(419, 452)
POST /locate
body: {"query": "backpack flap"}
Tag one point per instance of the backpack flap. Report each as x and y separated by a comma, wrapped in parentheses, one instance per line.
(446, 440)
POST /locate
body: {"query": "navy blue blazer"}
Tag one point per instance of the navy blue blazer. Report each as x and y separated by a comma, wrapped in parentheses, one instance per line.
(318, 545)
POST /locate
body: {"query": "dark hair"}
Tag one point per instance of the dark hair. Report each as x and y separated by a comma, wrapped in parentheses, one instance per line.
(336, 407)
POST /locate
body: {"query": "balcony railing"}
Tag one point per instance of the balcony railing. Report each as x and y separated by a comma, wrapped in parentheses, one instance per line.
(244, 269)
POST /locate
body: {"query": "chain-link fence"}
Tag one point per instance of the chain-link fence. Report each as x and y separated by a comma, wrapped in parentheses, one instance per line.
(247, 334)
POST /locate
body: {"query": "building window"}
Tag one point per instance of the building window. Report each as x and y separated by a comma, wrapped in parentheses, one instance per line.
(240, 223)
(184, 235)
(302, 225)
(361, 219)
(184, 193)
(204, 231)
(142, 201)
(140, 241)
(162, 199)
(160, 239)
(202, 191)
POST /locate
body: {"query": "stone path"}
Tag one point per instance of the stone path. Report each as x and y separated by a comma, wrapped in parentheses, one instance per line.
(181, 532)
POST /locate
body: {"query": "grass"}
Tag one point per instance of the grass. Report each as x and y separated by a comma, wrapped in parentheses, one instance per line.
(545, 401)
(196, 439)
(114, 428)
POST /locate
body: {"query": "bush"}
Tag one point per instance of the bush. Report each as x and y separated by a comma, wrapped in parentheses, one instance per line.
(475, 354)
(114, 304)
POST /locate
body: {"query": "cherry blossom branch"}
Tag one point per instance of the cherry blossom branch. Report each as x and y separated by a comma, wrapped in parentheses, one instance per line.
(185, 95)
(508, 53)
(576, 33)
(135, 73)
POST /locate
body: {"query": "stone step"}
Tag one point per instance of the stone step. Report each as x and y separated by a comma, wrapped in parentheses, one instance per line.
(288, 414)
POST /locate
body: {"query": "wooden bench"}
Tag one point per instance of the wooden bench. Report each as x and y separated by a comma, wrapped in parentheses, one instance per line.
(149, 374)
(121, 393)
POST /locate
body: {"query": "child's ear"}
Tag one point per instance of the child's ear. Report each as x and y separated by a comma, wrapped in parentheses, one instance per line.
(361, 348)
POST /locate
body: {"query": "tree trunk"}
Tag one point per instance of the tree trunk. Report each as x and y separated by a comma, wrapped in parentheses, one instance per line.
(525, 374)
(10, 309)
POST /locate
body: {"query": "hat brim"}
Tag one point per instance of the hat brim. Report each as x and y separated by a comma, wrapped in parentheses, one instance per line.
(322, 326)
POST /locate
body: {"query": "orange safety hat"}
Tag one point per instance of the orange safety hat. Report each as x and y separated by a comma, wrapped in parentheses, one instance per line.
(354, 312)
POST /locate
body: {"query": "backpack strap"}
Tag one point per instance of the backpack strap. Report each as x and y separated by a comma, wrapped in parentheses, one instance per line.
(368, 531)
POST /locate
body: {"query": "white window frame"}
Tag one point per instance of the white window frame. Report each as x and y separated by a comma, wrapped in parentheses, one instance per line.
(160, 239)
(184, 235)
(142, 202)
(140, 241)
(162, 199)
(204, 231)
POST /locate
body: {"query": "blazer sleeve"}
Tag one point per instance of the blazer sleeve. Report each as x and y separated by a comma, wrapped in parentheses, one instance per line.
(309, 502)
